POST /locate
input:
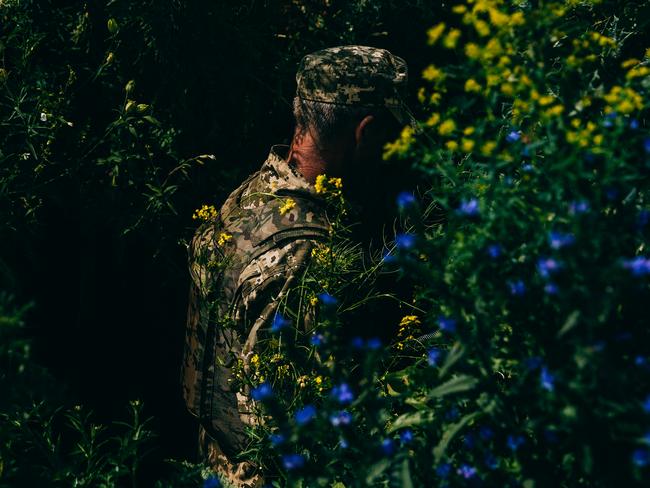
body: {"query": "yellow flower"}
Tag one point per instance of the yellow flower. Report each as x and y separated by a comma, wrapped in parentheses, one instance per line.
(205, 213)
(313, 301)
(467, 145)
(255, 360)
(546, 100)
(488, 148)
(336, 183)
(447, 127)
(421, 96)
(431, 73)
(598, 139)
(493, 48)
(472, 86)
(320, 183)
(555, 110)
(498, 18)
(435, 98)
(451, 39)
(628, 63)
(459, 9)
(517, 19)
(468, 131)
(472, 50)
(435, 32)
(318, 380)
(289, 203)
(482, 27)
(223, 238)
(451, 145)
(400, 146)
(507, 89)
(433, 120)
(409, 320)
(637, 72)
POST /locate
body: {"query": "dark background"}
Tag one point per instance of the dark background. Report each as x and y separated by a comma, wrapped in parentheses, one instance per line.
(105, 268)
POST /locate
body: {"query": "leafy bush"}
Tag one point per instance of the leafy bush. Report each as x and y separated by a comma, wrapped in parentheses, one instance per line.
(522, 358)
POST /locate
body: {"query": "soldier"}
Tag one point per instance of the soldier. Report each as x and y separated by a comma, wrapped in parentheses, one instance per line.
(348, 104)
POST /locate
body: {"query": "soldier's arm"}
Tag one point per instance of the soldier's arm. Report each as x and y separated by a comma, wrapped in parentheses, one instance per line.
(265, 283)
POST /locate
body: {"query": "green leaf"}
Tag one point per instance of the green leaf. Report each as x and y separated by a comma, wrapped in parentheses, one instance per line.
(454, 385)
(376, 470)
(411, 419)
(569, 323)
(449, 433)
(407, 482)
(453, 356)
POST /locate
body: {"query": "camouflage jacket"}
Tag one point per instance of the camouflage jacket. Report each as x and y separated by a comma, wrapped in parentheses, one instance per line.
(241, 264)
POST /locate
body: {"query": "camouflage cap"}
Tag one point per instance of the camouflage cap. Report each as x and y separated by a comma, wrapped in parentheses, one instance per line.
(356, 75)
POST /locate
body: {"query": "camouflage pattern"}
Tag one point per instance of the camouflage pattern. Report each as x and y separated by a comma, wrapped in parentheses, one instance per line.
(356, 75)
(236, 285)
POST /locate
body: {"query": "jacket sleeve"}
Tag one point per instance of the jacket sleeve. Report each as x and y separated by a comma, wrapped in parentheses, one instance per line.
(265, 283)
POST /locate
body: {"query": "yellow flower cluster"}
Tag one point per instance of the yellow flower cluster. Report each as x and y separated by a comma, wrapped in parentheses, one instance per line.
(584, 136)
(407, 326)
(205, 213)
(289, 203)
(328, 185)
(223, 238)
(623, 100)
(323, 255)
(431, 73)
(401, 144)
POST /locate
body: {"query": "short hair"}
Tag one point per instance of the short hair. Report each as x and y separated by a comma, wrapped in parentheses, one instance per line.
(328, 121)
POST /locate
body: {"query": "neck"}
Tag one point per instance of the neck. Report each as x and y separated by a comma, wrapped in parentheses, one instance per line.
(309, 159)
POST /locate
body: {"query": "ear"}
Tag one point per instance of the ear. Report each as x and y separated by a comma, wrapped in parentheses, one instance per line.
(361, 130)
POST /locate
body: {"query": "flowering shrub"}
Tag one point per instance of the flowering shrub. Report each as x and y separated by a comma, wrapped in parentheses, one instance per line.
(523, 356)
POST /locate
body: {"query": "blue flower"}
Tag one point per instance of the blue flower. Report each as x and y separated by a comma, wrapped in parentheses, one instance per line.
(276, 439)
(262, 392)
(513, 136)
(212, 482)
(433, 356)
(343, 443)
(558, 240)
(640, 361)
(341, 418)
(279, 323)
(469, 208)
(373, 343)
(388, 447)
(494, 250)
(546, 379)
(405, 200)
(466, 471)
(343, 393)
(293, 461)
(452, 413)
(641, 457)
(515, 441)
(469, 440)
(547, 266)
(551, 289)
(447, 324)
(646, 437)
(491, 462)
(388, 258)
(443, 470)
(517, 287)
(646, 144)
(533, 362)
(639, 266)
(486, 433)
(357, 342)
(305, 415)
(646, 404)
(643, 218)
(405, 241)
(634, 124)
(609, 119)
(317, 339)
(328, 300)
(578, 207)
(527, 167)
(406, 436)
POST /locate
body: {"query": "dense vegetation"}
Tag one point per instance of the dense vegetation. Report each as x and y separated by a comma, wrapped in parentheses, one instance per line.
(514, 350)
